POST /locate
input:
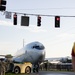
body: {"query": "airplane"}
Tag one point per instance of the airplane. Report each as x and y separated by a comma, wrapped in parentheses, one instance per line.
(33, 52)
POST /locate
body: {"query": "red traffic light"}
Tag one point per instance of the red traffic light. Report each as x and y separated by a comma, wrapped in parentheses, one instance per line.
(39, 17)
(15, 15)
(58, 18)
(15, 19)
(57, 21)
(39, 21)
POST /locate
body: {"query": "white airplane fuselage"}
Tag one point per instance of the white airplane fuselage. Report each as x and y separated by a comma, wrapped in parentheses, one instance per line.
(33, 52)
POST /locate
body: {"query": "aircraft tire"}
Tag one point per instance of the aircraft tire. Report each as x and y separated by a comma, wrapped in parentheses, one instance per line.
(16, 70)
(27, 70)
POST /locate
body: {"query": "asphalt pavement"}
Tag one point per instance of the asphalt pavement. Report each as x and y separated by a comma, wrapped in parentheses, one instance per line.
(53, 73)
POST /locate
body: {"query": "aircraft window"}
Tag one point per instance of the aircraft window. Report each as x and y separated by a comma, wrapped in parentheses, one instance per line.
(33, 47)
(39, 47)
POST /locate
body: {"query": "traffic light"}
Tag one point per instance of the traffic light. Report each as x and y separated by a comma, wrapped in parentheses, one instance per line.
(15, 19)
(39, 21)
(2, 5)
(57, 21)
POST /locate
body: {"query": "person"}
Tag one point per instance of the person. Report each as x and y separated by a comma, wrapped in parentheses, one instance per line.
(46, 66)
(2, 68)
(73, 57)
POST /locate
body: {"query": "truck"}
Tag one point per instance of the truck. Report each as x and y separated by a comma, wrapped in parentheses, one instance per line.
(22, 67)
(16, 68)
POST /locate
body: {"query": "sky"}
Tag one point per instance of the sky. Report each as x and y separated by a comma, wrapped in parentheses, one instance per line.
(58, 42)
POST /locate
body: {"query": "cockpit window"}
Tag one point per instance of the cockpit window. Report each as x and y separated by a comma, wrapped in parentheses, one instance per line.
(38, 47)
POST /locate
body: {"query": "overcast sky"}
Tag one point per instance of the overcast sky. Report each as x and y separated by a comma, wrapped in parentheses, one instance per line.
(57, 41)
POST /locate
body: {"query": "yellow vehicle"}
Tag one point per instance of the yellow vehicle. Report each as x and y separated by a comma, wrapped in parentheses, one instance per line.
(22, 67)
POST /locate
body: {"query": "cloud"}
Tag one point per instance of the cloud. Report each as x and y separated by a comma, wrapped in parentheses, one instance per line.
(30, 28)
(66, 37)
(37, 29)
(6, 23)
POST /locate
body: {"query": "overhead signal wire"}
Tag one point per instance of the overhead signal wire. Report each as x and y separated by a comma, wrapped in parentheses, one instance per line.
(49, 8)
(40, 14)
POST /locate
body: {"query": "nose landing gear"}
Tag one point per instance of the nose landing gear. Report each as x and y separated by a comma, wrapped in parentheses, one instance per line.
(36, 68)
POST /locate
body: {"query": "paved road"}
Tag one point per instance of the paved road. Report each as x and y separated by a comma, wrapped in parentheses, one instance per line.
(53, 73)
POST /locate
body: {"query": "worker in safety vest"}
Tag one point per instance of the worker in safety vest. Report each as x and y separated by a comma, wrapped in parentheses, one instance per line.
(73, 56)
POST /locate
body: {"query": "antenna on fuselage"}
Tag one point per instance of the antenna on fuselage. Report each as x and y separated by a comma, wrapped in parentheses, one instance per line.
(23, 42)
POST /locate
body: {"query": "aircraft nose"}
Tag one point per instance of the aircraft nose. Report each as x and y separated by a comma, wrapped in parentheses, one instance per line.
(42, 56)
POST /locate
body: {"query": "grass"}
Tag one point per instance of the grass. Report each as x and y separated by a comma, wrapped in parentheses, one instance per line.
(14, 74)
